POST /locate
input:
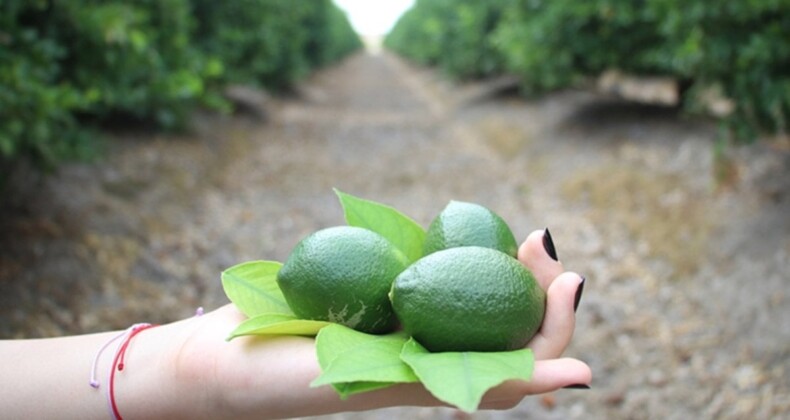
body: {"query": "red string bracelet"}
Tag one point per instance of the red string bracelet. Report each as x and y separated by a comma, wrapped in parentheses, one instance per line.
(118, 360)
(117, 363)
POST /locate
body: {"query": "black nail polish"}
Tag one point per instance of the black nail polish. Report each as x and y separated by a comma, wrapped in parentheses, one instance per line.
(577, 386)
(578, 296)
(548, 245)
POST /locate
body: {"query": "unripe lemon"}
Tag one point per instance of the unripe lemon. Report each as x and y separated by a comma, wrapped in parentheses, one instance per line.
(469, 299)
(469, 224)
(343, 274)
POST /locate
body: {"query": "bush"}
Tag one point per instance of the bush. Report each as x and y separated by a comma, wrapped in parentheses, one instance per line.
(739, 47)
(131, 58)
(452, 34)
(68, 62)
(68, 65)
(555, 44)
(38, 120)
(339, 39)
(272, 43)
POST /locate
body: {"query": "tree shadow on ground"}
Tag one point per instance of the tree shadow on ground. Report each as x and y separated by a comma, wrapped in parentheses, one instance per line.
(609, 112)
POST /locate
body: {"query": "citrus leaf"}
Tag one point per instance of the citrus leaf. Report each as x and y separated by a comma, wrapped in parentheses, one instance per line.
(277, 324)
(353, 362)
(461, 378)
(346, 389)
(373, 358)
(406, 234)
(252, 287)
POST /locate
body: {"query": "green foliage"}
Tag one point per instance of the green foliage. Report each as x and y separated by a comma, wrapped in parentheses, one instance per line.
(342, 40)
(252, 286)
(354, 362)
(554, 44)
(461, 378)
(452, 34)
(277, 324)
(66, 66)
(740, 47)
(272, 43)
(402, 231)
(130, 58)
(37, 108)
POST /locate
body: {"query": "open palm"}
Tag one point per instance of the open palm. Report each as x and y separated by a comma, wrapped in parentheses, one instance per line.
(269, 377)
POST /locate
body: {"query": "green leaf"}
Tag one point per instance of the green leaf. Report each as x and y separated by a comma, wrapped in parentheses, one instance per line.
(277, 324)
(406, 234)
(461, 378)
(346, 389)
(252, 287)
(353, 362)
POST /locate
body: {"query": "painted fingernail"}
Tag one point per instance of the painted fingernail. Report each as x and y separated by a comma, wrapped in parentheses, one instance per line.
(578, 296)
(548, 245)
(577, 386)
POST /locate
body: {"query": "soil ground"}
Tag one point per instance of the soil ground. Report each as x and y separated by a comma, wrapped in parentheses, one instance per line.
(686, 251)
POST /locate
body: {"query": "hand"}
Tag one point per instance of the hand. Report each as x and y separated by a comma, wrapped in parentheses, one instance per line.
(554, 336)
(268, 377)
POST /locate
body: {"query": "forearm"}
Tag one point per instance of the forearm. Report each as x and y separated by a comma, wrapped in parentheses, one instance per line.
(180, 370)
(187, 370)
(49, 378)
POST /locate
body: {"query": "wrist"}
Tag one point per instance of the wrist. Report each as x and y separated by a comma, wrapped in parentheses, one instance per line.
(152, 383)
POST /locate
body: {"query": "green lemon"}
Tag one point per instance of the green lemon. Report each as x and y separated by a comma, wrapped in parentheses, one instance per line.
(469, 224)
(469, 299)
(343, 275)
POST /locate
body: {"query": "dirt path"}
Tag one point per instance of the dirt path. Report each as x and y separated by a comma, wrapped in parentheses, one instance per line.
(684, 312)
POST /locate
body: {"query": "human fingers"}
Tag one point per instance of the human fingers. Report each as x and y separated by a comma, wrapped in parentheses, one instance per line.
(559, 320)
(548, 376)
(539, 255)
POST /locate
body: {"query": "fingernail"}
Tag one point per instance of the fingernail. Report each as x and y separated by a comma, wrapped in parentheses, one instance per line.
(548, 245)
(577, 386)
(578, 296)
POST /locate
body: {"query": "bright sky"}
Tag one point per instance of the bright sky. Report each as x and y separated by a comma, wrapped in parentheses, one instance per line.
(374, 17)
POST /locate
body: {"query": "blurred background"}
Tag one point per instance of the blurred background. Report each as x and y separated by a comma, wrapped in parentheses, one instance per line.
(146, 146)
